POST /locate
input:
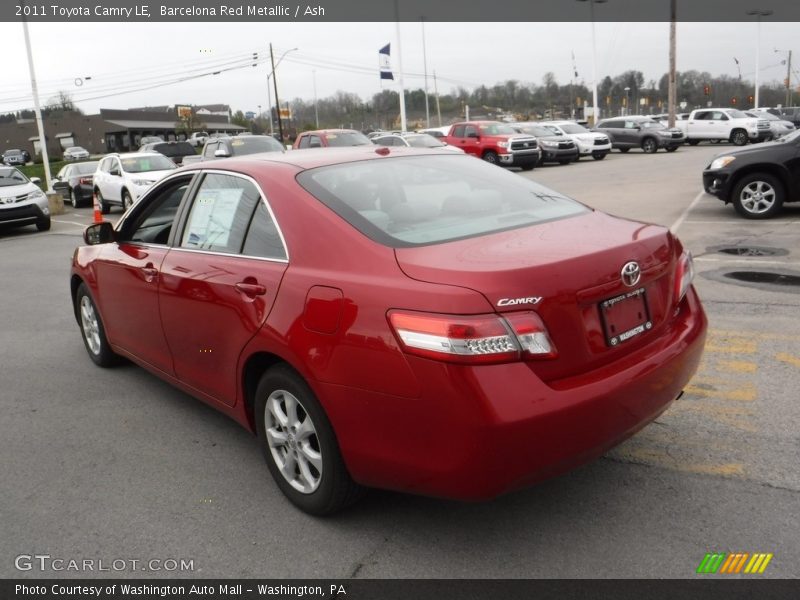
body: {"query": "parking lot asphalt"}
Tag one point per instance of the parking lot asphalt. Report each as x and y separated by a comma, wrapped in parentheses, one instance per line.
(115, 464)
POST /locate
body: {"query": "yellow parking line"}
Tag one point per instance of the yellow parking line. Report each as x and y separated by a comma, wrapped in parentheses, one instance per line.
(788, 358)
(737, 366)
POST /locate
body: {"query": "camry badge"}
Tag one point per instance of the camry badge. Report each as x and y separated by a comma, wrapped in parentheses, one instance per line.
(631, 273)
(515, 301)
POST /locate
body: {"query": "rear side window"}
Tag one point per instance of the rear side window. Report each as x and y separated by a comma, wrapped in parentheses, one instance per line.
(416, 201)
(263, 239)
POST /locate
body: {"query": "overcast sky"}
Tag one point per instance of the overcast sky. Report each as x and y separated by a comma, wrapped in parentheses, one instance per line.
(119, 57)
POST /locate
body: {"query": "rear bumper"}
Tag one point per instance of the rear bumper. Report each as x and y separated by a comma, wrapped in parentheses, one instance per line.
(477, 432)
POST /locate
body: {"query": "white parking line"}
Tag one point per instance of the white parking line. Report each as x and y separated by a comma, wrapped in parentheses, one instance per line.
(685, 213)
(81, 225)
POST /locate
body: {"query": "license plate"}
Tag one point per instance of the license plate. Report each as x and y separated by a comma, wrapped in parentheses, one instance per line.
(625, 316)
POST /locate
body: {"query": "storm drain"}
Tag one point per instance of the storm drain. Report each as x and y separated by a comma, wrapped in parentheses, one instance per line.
(749, 250)
(764, 277)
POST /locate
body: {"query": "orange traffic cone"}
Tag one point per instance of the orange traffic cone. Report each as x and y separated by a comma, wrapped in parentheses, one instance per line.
(98, 214)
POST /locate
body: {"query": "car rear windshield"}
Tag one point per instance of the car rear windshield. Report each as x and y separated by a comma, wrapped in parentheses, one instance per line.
(347, 138)
(141, 164)
(176, 149)
(421, 200)
(255, 144)
(85, 168)
(424, 141)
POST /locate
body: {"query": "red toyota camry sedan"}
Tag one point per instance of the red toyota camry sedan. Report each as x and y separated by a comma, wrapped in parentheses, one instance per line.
(396, 318)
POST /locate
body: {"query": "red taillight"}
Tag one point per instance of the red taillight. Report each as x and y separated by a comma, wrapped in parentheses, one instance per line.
(684, 275)
(475, 339)
(85, 181)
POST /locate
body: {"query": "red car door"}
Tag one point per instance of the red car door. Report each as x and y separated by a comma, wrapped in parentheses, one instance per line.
(219, 282)
(128, 274)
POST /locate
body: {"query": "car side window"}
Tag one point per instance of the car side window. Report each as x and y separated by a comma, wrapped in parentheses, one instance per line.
(314, 142)
(630, 125)
(303, 141)
(458, 131)
(263, 239)
(104, 165)
(471, 130)
(702, 116)
(210, 149)
(220, 214)
(153, 223)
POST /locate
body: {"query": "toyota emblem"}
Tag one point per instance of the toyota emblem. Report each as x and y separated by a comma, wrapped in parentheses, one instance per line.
(631, 273)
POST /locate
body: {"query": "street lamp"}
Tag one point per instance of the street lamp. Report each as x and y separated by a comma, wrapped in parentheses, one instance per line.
(269, 95)
(627, 100)
(758, 13)
(595, 107)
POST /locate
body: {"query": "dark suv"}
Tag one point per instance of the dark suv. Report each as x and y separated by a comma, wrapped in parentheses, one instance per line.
(787, 113)
(174, 150)
(757, 179)
(640, 132)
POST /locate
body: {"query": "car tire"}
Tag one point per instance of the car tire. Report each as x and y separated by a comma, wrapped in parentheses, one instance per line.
(758, 196)
(739, 137)
(598, 156)
(73, 198)
(299, 444)
(624, 150)
(565, 162)
(693, 142)
(127, 200)
(105, 207)
(649, 145)
(528, 167)
(92, 330)
(43, 224)
(491, 157)
(671, 148)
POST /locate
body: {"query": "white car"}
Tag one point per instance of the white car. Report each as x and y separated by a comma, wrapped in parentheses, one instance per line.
(76, 153)
(123, 178)
(21, 200)
(414, 140)
(589, 143)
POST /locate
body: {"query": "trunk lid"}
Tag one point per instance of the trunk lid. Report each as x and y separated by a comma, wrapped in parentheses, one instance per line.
(563, 270)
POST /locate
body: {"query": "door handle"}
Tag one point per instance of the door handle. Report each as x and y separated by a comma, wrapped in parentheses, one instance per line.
(250, 289)
(150, 272)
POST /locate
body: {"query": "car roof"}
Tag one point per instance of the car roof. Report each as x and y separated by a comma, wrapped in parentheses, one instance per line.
(326, 131)
(311, 158)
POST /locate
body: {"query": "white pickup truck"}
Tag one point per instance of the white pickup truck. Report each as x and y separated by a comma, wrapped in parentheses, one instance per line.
(198, 138)
(728, 124)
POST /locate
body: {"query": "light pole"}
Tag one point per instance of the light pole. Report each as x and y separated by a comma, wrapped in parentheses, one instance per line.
(788, 63)
(269, 96)
(758, 13)
(595, 108)
(627, 100)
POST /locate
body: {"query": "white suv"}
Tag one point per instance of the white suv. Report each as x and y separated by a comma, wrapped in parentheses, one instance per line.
(589, 143)
(122, 178)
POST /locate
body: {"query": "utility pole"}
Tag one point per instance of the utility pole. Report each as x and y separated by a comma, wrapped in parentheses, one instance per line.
(789, 80)
(438, 108)
(277, 102)
(425, 66)
(37, 109)
(671, 90)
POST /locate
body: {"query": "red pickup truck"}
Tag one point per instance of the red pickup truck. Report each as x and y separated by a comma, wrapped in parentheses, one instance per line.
(496, 143)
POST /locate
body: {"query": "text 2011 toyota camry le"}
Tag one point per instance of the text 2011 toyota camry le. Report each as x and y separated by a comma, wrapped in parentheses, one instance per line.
(396, 318)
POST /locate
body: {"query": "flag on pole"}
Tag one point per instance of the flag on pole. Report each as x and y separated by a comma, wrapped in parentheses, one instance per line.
(383, 61)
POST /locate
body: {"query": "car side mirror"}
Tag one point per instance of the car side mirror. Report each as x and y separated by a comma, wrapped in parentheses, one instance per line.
(221, 153)
(99, 233)
(114, 172)
(37, 180)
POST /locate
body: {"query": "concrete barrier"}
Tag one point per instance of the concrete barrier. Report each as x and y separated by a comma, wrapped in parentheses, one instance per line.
(56, 203)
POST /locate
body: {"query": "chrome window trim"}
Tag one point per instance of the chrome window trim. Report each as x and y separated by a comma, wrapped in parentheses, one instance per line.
(195, 172)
